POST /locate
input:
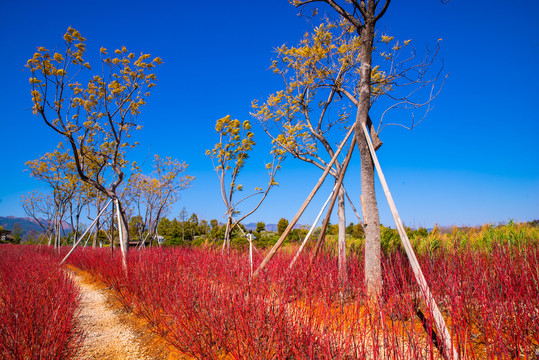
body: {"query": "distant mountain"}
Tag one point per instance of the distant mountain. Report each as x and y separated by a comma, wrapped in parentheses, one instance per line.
(27, 225)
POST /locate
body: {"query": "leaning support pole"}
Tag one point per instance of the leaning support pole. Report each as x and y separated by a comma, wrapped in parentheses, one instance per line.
(311, 230)
(303, 207)
(333, 199)
(82, 237)
(429, 299)
(354, 208)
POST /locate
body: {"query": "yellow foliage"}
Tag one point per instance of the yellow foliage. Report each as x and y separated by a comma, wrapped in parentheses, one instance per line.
(386, 38)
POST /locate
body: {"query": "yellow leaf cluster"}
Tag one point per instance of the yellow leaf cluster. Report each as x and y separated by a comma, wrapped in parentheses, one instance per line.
(236, 141)
(101, 113)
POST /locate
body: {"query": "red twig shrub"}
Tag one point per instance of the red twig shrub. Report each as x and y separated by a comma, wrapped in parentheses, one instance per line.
(203, 303)
(37, 306)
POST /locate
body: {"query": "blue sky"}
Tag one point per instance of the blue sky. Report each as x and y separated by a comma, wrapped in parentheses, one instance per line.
(473, 160)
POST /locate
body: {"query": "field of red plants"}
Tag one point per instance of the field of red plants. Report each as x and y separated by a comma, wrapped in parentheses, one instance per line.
(37, 306)
(204, 304)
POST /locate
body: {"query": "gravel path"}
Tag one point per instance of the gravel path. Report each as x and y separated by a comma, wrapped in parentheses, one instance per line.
(112, 333)
(107, 336)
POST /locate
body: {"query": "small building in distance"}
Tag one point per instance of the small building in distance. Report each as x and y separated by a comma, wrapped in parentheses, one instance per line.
(5, 236)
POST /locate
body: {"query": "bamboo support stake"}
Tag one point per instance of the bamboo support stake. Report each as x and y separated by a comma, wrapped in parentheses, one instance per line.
(82, 237)
(429, 299)
(333, 199)
(311, 230)
(303, 207)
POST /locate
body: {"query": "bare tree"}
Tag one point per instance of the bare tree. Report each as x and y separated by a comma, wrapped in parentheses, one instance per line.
(42, 208)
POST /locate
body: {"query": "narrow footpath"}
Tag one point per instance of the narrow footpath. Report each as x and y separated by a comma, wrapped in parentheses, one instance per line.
(110, 332)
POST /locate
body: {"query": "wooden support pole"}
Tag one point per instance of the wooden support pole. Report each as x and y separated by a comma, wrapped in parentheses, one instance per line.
(441, 327)
(311, 230)
(82, 237)
(303, 207)
(333, 199)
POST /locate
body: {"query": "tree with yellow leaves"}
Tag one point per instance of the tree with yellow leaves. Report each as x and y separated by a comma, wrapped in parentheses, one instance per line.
(97, 119)
(56, 169)
(154, 194)
(328, 77)
(229, 155)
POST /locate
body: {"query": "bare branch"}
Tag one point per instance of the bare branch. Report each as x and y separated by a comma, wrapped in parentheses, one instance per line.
(383, 11)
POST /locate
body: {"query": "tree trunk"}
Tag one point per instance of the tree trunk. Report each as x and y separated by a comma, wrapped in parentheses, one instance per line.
(94, 240)
(123, 232)
(373, 266)
(226, 241)
(342, 237)
(96, 235)
(113, 211)
(52, 224)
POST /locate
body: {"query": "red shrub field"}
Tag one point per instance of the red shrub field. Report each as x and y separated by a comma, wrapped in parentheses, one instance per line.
(37, 306)
(205, 305)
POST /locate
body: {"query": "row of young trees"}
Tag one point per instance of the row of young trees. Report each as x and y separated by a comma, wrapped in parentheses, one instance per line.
(96, 116)
(331, 80)
(71, 204)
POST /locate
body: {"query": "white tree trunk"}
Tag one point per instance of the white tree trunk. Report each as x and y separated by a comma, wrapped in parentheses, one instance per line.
(342, 237)
(124, 234)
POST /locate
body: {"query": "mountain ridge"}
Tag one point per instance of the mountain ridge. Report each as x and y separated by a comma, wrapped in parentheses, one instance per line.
(27, 225)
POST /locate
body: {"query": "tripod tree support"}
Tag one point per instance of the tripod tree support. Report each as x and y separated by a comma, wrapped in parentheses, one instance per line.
(311, 229)
(333, 199)
(441, 327)
(82, 237)
(303, 207)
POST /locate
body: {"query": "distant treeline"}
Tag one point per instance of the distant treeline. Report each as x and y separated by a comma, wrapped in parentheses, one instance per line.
(192, 231)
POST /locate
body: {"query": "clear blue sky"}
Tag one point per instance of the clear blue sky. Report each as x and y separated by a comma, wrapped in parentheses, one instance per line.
(473, 160)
